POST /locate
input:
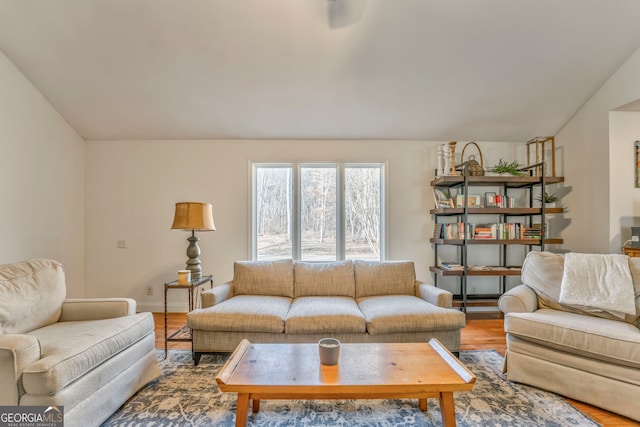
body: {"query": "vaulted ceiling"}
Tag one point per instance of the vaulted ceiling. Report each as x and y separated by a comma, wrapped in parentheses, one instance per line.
(490, 70)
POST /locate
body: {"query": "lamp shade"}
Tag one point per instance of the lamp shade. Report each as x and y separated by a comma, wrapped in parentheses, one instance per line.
(193, 216)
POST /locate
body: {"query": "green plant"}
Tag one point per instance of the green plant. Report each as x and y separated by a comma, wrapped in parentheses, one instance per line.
(548, 198)
(512, 168)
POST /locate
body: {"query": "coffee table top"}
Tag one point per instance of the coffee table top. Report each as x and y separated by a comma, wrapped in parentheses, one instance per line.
(370, 367)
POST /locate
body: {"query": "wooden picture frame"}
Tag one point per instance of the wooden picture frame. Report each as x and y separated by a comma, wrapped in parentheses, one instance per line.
(490, 200)
(442, 198)
(474, 201)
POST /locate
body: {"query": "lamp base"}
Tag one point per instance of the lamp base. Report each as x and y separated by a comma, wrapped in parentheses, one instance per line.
(193, 252)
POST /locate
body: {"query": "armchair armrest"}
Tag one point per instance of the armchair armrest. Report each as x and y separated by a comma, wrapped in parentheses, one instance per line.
(521, 299)
(16, 352)
(217, 294)
(97, 308)
(436, 296)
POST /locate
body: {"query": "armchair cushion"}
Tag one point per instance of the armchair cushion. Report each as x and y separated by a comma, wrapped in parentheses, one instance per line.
(95, 341)
(608, 340)
(32, 294)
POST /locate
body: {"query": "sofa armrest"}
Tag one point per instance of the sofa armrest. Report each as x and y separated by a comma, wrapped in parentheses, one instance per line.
(436, 296)
(216, 295)
(97, 308)
(16, 352)
(521, 299)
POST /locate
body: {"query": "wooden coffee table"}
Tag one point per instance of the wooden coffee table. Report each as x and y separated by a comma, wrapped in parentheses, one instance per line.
(365, 371)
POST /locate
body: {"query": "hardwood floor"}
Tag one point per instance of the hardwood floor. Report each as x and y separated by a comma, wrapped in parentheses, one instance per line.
(479, 334)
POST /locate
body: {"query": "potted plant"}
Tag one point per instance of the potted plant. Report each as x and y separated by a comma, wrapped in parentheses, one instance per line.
(507, 168)
(549, 199)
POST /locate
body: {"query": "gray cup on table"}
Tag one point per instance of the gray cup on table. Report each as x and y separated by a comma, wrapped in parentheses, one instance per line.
(329, 350)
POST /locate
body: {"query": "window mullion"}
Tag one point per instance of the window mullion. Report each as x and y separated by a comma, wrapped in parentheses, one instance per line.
(340, 212)
(296, 215)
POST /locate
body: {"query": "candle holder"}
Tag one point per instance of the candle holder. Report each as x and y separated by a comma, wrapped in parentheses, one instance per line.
(329, 351)
(452, 147)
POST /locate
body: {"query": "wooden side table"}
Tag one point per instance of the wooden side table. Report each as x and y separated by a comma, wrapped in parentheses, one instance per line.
(193, 285)
(631, 251)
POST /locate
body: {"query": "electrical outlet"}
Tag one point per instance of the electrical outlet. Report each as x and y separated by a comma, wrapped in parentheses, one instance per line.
(149, 290)
(121, 244)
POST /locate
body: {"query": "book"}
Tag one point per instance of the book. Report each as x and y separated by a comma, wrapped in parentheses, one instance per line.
(437, 231)
(450, 265)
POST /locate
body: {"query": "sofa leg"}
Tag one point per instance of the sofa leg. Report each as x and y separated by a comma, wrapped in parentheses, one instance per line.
(456, 354)
(196, 358)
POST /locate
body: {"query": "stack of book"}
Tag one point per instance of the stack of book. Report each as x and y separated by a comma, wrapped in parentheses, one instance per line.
(533, 232)
(483, 232)
(449, 265)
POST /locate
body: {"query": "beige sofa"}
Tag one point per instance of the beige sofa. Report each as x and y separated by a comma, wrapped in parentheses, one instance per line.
(87, 355)
(359, 301)
(585, 354)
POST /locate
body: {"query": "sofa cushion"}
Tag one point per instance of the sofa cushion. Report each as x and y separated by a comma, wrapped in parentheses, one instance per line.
(406, 313)
(384, 278)
(242, 313)
(263, 278)
(71, 349)
(324, 315)
(324, 279)
(31, 295)
(593, 337)
(542, 271)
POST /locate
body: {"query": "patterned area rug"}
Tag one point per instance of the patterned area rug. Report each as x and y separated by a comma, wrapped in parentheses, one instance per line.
(188, 395)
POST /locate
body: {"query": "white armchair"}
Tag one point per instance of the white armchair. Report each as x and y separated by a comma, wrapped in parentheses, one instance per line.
(88, 355)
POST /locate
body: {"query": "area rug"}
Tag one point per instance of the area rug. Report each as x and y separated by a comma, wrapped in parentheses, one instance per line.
(187, 395)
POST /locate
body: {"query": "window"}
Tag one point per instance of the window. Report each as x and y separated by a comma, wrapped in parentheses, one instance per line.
(318, 211)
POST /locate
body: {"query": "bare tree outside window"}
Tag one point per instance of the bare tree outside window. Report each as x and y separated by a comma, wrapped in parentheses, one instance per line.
(301, 212)
(318, 213)
(273, 212)
(362, 213)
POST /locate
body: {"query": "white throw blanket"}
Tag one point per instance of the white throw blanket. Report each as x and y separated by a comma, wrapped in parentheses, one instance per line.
(598, 281)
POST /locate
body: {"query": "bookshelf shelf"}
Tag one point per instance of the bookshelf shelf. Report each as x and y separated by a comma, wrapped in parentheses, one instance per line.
(494, 211)
(512, 222)
(493, 181)
(459, 242)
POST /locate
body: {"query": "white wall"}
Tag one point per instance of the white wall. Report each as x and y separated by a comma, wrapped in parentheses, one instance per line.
(132, 187)
(591, 172)
(625, 197)
(42, 180)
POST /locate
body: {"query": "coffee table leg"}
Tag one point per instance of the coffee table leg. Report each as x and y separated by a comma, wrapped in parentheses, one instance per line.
(256, 406)
(447, 409)
(242, 407)
(422, 404)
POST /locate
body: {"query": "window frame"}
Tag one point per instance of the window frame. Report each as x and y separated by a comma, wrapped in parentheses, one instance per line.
(296, 235)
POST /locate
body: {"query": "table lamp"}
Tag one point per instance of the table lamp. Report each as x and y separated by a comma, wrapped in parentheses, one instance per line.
(194, 216)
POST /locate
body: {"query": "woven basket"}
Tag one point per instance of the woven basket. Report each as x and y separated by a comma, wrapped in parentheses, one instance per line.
(473, 167)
